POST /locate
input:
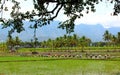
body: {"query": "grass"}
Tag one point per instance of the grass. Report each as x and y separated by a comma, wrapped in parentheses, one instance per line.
(68, 48)
(18, 65)
(50, 66)
(17, 58)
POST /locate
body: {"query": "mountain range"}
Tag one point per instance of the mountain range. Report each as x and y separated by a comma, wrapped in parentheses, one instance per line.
(94, 32)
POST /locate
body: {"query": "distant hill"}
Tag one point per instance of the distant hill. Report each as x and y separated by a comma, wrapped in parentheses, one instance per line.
(94, 32)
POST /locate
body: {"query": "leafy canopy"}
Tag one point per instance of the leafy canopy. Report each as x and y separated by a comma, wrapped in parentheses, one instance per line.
(72, 8)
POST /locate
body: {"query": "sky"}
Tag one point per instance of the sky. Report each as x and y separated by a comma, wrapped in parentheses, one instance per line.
(101, 16)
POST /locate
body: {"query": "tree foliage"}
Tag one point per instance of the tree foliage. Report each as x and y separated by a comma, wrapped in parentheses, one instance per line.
(13, 42)
(67, 41)
(111, 39)
(107, 36)
(72, 8)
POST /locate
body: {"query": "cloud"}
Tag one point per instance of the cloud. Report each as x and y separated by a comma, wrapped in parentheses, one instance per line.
(26, 5)
(92, 19)
(106, 20)
(101, 16)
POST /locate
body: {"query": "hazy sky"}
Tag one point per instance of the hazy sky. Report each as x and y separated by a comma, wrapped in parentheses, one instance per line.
(101, 16)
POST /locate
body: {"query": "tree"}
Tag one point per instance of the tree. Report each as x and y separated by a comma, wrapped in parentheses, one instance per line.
(84, 42)
(72, 8)
(32, 43)
(107, 37)
(17, 41)
(49, 43)
(114, 40)
(74, 40)
(10, 42)
(118, 38)
(43, 44)
(13, 43)
(3, 47)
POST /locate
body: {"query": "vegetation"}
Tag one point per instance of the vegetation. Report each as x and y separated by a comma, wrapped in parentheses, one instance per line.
(13, 43)
(3, 47)
(111, 39)
(24, 62)
(19, 62)
(43, 66)
(66, 42)
(72, 8)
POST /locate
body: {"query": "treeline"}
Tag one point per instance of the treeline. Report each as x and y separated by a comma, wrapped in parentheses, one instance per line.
(65, 41)
(110, 39)
(76, 41)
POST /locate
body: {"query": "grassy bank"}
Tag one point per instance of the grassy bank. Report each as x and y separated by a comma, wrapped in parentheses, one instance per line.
(68, 48)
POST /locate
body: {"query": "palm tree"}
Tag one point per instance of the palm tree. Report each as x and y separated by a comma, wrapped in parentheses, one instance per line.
(57, 42)
(65, 41)
(118, 38)
(65, 36)
(82, 42)
(32, 43)
(75, 38)
(35, 26)
(17, 42)
(44, 45)
(114, 40)
(10, 42)
(107, 37)
(53, 45)
(50, 43)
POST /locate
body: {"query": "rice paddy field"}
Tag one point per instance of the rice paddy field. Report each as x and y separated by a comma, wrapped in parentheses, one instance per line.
(24, 62)
(54, 66)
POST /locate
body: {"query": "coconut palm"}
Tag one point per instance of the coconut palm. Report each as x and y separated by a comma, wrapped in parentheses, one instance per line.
(75, 38)
(107, 37)
(10, 42)
(118, 38)
(82, 42)
(17, 40)
(114, 40)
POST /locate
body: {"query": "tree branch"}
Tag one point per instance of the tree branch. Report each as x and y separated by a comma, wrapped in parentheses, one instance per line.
(2, 6)
(56, 13)
(55, 8)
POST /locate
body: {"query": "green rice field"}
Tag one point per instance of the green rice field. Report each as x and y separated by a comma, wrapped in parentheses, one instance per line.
(54, 66)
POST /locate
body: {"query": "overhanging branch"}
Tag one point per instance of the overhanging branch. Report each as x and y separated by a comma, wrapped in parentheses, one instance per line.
(56, 13)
